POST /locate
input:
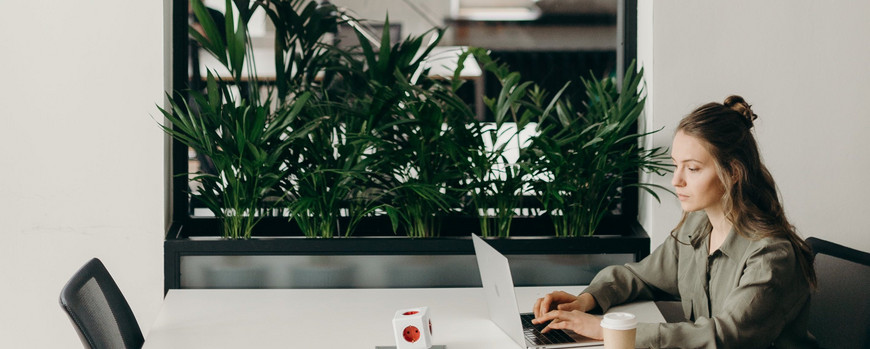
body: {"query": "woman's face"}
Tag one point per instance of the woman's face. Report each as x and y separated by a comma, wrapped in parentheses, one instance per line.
(695, 179)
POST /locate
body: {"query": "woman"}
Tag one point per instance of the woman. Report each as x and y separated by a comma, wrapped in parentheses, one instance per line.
(741, 272)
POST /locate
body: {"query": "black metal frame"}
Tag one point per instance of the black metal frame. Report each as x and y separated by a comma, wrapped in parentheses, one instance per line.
(625, 54)
(178, 221)
(177, 203)
(375, 238)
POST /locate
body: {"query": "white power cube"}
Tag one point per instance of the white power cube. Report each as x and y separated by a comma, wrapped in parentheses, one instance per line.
(413, 328)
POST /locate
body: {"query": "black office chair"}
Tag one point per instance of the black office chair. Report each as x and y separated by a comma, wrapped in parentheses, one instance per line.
(96, 307)
(840, 307)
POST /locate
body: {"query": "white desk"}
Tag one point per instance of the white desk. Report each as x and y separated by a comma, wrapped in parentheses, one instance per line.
(334, 318)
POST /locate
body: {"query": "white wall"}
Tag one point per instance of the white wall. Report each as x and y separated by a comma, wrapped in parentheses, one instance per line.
(803, 65)
(81, 160)
(81, 172)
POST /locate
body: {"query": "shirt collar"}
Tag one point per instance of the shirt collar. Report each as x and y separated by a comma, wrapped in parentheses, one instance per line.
(734, 245)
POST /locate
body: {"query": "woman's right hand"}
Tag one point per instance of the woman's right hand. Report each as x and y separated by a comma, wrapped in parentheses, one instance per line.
(563, 301)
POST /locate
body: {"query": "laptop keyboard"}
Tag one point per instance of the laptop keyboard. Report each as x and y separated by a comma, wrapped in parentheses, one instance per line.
(533, 332)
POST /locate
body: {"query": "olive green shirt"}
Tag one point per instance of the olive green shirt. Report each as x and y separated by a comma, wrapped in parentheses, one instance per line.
(747, 294)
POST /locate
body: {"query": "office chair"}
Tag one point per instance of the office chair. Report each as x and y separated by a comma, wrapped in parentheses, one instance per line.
(96, 307)
(840, 308)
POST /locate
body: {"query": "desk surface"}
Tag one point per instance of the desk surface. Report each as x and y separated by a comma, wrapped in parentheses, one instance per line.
(334, 318)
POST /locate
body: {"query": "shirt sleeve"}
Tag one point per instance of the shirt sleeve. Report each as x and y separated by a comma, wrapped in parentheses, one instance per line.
(754, 314)
(654, 274)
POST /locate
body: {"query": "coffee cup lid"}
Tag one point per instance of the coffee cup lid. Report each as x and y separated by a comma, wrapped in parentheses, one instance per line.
(619, 321)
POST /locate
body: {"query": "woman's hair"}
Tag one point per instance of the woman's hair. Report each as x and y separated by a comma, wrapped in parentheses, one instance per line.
(751, 202)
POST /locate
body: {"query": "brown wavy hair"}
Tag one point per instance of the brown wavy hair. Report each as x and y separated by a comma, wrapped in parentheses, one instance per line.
(751, 201)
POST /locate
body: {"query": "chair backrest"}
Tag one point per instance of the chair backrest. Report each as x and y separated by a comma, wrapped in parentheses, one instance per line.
(840, 308)
(96, 307)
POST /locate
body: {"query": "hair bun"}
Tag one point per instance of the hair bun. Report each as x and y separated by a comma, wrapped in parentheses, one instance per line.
(738, 104)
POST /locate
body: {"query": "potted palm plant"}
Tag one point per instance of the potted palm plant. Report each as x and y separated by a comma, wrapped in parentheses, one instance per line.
(244, 137)
(361, 141)
(584, 158)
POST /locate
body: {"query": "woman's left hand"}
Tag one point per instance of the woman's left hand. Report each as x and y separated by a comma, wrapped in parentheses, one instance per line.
(581, 323)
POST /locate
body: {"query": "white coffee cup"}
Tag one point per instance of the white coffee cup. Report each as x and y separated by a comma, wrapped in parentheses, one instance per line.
(620, 330)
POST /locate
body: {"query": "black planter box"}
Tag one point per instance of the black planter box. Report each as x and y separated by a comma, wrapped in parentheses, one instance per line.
(614, 236)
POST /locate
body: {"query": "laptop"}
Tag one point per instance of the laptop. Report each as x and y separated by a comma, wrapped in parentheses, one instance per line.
(498, 287)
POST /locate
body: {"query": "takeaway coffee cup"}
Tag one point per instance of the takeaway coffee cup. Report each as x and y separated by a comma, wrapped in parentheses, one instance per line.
(619, 330)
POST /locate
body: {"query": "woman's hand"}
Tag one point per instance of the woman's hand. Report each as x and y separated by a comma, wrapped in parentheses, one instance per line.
(560, 300)
(567, 311)
(575, 320)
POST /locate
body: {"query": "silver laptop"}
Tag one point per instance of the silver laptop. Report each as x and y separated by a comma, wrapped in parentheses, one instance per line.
(498, 288)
